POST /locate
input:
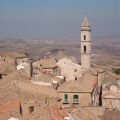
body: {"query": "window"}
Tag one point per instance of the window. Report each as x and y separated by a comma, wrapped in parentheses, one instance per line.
(0, 76)
(65, 98)
(84, 49)
(75, 99)
(75, 70)
(55, 71)
(65, 79)
(31, 109)
(84, 37)
(20, 109)
(75, 78)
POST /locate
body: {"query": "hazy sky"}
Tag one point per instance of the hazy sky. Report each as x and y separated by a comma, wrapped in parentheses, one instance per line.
(58, 18)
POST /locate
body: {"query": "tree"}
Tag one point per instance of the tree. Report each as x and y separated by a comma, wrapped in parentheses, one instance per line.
(117, 71)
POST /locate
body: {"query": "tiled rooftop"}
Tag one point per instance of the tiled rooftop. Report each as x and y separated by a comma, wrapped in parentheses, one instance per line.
(57, 113)
(9, 106)
(89, 113)
(85, 84)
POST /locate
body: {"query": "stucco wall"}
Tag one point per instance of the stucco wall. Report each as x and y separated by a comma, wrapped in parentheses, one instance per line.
(84, 98)
(86, 56)
(69, 69)
(111, 103)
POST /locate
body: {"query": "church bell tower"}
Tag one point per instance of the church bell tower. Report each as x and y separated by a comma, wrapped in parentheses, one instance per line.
(85, 36)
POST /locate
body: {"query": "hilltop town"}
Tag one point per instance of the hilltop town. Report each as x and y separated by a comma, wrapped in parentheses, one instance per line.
(58, 87)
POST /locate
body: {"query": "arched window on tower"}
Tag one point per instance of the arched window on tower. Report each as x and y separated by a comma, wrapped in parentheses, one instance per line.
(84, 37)
(84, 49)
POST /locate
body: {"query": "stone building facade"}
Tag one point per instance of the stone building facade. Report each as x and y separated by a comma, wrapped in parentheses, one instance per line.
(82, 92)
(69, 69)
(24, 64)
(111, 96)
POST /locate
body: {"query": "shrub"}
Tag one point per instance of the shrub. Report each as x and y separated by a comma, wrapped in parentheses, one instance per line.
(117, 71)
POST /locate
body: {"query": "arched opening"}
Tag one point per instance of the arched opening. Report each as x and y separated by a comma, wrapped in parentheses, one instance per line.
(0, 76)
(84, 37)
(84, 49)
(64, 78)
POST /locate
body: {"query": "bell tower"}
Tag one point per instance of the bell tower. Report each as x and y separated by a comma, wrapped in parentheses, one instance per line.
(85, 36)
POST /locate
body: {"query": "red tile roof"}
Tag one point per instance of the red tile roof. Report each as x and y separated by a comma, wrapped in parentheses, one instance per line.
(85, 84)
(9, 106)
(57, 113)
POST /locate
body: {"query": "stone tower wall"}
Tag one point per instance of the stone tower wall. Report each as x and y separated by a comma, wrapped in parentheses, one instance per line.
(85, 36)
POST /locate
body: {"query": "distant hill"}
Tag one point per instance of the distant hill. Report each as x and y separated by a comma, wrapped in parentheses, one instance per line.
(104, 51)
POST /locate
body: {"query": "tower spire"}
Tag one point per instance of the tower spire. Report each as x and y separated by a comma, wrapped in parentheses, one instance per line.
(85, 24)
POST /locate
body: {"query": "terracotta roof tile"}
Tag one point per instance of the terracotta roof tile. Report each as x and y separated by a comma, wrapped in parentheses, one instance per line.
(89, 113)
(85, 84)
(57, 113)
(47, 62)
(9, 106)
